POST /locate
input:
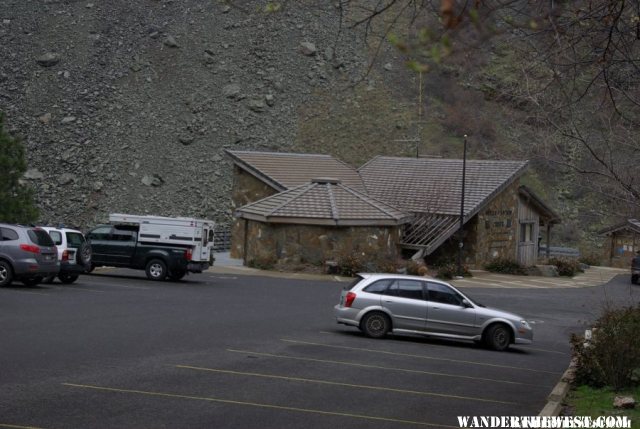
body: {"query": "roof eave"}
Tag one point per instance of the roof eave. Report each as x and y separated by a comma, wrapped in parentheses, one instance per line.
(255, 172)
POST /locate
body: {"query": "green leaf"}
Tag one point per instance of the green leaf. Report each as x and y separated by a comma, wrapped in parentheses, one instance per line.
(417, 66)
(272, 7)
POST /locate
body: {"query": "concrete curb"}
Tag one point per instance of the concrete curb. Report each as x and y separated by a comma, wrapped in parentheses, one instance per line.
(559, 392)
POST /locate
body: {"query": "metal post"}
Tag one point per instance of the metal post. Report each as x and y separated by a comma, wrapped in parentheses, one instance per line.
(460, 230)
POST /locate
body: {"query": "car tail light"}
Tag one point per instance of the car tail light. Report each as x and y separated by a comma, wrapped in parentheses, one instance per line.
(349, 299)
(32, 248)
(65, 255)
(188, 254)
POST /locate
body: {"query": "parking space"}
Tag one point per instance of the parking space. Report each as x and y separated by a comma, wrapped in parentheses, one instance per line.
(117, 350)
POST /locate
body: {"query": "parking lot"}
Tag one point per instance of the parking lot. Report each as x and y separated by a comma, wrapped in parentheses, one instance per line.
(115, 350)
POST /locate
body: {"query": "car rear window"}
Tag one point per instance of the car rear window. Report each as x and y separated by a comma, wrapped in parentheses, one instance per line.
(40, 237)
(353, 284)
(8, 234)
(74, 239)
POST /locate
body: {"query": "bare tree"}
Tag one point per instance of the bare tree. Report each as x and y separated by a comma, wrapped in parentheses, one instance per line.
(578, 62)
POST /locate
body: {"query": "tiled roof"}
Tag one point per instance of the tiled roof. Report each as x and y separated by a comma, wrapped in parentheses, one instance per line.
(285, 171)
(433, 185)
(431, 188)
(630, 224)
(323, 202)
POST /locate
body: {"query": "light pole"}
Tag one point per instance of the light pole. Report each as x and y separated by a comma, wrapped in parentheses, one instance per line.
(460, 229)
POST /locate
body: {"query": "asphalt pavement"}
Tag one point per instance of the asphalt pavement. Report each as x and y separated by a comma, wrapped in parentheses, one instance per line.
(115, 350)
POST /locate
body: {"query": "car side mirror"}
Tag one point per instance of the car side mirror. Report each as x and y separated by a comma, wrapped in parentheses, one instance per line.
(466, 303)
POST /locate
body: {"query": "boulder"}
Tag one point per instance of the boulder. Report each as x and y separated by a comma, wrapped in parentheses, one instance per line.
(624, 402)
(48, 60)
(309, 49)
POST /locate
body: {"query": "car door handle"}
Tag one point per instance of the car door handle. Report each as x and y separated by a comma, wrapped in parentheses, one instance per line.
(435, 308)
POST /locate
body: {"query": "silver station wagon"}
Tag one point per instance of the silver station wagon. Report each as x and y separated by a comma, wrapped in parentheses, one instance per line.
(381, 303)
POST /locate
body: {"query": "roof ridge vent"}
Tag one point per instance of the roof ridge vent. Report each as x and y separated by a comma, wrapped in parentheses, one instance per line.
(324, 180)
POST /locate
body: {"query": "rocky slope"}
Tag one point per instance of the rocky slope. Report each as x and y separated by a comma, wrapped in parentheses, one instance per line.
(127, 106)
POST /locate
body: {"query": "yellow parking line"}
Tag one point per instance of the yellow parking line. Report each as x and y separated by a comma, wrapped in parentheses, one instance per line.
(334, 383)
(361, 365)
(417, 356)
(254, 404)
(5, 425)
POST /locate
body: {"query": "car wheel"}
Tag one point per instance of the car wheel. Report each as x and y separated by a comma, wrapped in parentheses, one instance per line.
(177, 275)
(31, 281)
(375, 325)
(6, 274)
(634, 279)
(156, 269)
(83, 255)
(67, 278)
(498, 337)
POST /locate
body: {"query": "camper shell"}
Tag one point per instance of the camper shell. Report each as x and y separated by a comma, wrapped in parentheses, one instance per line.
(178, 231)
(162, 246)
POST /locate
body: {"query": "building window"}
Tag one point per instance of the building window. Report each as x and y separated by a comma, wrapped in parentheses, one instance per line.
(526, 232)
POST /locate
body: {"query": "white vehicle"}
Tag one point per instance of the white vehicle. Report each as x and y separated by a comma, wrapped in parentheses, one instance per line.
(197, 233)
(162, 246)
(74, 253)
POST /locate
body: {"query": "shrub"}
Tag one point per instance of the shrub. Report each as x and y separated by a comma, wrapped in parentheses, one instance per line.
(387, 266)
(349, 265)
(613, 355)
(262, 263)
(566, 267)
(449, 271)
(413, 268)
(505, 266)
(592, 259)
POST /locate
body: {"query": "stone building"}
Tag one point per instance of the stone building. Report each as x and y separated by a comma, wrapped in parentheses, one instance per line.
(422, 196)
(502, 219)
(622, 241)
(318, 222)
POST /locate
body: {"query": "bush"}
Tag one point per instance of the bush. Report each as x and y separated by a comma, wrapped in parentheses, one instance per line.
(566, 267)
(413, 268)
(592, 259)
(262, 263)
(449, 271)
(505, 266)
(349, 265)
(612, 358)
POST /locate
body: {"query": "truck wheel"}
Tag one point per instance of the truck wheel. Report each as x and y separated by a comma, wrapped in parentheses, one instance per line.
(177, 275)
(6, 274)
(156, 269)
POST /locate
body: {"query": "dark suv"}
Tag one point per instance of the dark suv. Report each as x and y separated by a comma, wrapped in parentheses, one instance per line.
(26, 254)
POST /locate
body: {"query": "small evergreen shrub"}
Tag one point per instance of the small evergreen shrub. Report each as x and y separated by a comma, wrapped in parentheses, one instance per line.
(505, 266)
(612, 357)
(566, 267)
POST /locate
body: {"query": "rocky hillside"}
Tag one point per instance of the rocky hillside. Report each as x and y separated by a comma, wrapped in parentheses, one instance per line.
(128, 106)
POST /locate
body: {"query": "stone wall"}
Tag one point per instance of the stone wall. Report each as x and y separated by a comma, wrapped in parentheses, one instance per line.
(271, 243)
(620, 247)
(497, 228)
(492, 233)
(246, 189)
